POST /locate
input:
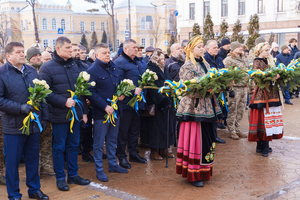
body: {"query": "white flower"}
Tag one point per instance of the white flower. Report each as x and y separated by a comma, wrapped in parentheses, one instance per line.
(43, 82)
(193, 81)
(147, 70)
(35, 81)
(128, 81)
(93, 83)
(155, 77)
(47, 86)
(85, 76)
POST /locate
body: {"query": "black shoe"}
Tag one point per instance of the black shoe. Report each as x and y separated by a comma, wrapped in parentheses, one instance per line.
(197, 183)
(104, 156)
(221, 126)
(39, 195)
(137, 158)
(260, 150)
(124, 163)
(225, 122)
(288, 102)
(78, 180)
(62, 185)
(87, 158)
(297, 95)
(218, 140)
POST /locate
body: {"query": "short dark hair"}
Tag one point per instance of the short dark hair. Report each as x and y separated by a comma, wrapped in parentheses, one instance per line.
(292, 40)
(82, 48)
(61, 40)
(9, 48)
(100, 45)
(74, 44)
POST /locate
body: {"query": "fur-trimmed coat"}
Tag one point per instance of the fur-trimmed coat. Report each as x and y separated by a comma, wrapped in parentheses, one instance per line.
(191, 107)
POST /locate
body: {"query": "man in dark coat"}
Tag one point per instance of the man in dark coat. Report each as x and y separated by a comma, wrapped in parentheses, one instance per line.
(175, 62)
(285, 58)
(77, 58)
(83, 57)
(61, 74)
(225, 48)
(214, 60)
(149, 52)
(140, 54)
(106, 75)
(15, 79)
(130, 67)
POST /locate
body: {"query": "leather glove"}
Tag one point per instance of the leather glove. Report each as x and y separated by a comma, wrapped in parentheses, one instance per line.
(232, 94)
(26, 108)
(44, 125)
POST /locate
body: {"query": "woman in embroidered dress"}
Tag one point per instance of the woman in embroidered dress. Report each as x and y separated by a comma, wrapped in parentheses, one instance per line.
(196, 144)
(265, 115)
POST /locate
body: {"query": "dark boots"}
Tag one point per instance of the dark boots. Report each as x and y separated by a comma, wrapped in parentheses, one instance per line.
(263, 148)
(218, 140)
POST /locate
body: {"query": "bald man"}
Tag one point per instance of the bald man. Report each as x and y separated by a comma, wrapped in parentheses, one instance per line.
(174, 63)
(46, 56)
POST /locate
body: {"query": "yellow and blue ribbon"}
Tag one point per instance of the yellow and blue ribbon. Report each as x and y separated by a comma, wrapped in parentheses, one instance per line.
(32, 116)
(138, 99)
(223, 101)
(111, 118)
(73, 110)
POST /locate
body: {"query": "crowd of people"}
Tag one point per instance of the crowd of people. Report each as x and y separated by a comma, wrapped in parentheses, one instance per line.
(194, 124)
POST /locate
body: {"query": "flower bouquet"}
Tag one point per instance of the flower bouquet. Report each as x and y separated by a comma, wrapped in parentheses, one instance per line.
(81, 88)
(148, 79)
(38, 93)
(124, 88)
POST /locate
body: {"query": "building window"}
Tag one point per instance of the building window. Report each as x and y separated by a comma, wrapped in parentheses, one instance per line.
(12, 8)
(151, 42)
(144, 42)
(192, 10)
(93, 26)
(149, 22)
(26, 25)
(206, 8)
(53, 43)
(143, 23)
(63, 24)
(242, 7)
(82, 26)
(280, 5)
(53, 24)
(45, 43)
(102, 26)
(260, 5)
(44, 24)
(118, 42)
(126, 24)
(21, 22)
(224, 8)
(281, 39)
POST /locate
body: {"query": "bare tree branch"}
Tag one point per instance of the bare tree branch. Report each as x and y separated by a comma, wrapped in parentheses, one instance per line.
(4, 29)
(32, 4)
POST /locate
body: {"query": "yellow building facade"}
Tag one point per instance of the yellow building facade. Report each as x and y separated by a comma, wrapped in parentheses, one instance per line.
(151, 21)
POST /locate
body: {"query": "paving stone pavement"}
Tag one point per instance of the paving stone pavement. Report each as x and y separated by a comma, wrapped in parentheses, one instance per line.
(238, 173)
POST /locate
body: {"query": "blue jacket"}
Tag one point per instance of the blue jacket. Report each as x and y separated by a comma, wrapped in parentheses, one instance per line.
(144, 63)
(107, 78)
(146, 59)
(222, 53)
(294, 50)
(61, 75)
(14, 92)
(215, 62)
(133, 70)
(283, 58)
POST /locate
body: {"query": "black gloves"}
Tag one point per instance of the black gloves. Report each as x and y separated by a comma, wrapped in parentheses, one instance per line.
(232, 94)
(44, 125)
(26, 108)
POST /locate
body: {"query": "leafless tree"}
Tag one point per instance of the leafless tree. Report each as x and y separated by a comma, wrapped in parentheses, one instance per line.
(155, 31)
(5, 30)
(32, 4)
(108, 6)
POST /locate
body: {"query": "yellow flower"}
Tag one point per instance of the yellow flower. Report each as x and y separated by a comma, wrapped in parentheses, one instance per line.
(193, 81)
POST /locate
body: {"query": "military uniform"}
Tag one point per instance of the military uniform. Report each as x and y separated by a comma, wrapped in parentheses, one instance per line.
(236, 104)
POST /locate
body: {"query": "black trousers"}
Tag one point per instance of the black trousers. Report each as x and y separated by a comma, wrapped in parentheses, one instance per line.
(86, 135)
(129, 131)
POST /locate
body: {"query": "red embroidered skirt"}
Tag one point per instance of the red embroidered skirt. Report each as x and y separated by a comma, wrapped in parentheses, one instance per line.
(195, 152)
(257, 127)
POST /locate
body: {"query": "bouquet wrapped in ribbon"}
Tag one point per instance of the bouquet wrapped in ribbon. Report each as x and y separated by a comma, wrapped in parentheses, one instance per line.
(81, 88)
(38, 93)
(148, 79)
(124, 88)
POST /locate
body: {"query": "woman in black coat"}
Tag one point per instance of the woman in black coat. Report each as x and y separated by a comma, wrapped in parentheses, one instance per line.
(154, 129)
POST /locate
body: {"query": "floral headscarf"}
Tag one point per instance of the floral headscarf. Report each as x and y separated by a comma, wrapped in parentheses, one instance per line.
(260, 48)
(194, 41)
(155, 58)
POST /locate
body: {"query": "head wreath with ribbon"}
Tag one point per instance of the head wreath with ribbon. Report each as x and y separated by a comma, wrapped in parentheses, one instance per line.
(262, 47)
(194, 41)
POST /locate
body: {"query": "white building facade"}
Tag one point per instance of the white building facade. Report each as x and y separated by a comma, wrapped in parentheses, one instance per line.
(281, 17)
